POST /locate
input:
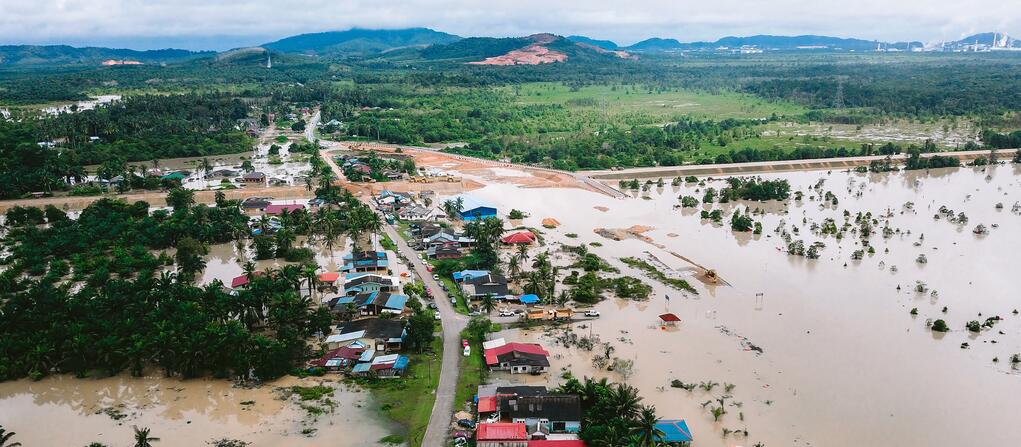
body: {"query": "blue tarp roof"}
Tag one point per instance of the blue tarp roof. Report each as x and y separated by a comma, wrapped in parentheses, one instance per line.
(396, 302)
(346, 300)
(674, 430)
(529, 299)
(465, 274)
(402, 362)
(361, 368)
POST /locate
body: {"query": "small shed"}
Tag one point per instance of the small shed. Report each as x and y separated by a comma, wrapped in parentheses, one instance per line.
(669, 319)
(528, 299)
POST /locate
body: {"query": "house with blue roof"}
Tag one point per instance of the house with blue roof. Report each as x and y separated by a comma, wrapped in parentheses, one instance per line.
(675, 432)
(355, 283)
(469, 274)
(474, 208)
(366, 261)
(373, 303)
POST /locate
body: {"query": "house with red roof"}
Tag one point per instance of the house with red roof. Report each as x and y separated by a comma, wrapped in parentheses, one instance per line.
(519, 238)
(518, 358)
(501, 435)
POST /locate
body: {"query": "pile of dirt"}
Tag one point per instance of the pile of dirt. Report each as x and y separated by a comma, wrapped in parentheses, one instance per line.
(550, 222)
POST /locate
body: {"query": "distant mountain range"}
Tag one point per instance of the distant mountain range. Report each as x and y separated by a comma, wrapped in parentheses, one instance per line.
(30, 55)
(411, 44)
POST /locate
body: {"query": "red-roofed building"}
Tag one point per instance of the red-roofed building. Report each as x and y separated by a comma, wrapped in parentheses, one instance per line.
(487, 404)
(670, 318)
(521, 237)
(242, 280)
(340, 358)
(280, 209)
(517, 358)
(330, 277)
(501, 435)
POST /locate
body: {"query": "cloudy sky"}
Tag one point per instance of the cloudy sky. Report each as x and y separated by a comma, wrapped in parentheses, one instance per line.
(222, 24)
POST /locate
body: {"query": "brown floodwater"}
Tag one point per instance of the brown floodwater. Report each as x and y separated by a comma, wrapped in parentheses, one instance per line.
(66, 411)
(844, 362)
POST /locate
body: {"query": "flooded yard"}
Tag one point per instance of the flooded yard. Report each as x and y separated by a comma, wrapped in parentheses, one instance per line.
(843, 361)
(63, 410)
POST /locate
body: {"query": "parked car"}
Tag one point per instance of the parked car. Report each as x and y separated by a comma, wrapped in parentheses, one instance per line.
(435, 276)
(464, 342)
(506, 313)
(592, 313)
(467, 351)
(432, 305)
(466, 423)
(436, 316)
(453, 301)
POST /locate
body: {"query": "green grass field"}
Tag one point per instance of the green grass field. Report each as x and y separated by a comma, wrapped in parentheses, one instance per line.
(668, 104)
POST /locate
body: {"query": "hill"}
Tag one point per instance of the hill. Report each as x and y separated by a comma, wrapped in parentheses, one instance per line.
(604, 44)
(360, 42)
(51, 55)
(655, 44)
(530, 50)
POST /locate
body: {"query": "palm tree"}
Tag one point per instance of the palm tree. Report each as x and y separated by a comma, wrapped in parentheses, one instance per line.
(523, 253)
(309, 184)
(612, 437)
(309, 273)
(488, 304)
(6, 436)
(514, 266)
(645, 427)
(625, 401)
(142, 438)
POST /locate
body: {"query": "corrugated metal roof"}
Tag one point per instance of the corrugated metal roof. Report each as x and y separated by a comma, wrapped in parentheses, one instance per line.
(501, 431)
(674, 430)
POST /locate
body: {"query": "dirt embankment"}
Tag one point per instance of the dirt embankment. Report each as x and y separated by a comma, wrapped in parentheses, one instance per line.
(530, 55)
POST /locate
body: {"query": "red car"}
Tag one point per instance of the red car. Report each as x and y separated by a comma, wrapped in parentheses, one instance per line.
(464, 342)
(429, 268)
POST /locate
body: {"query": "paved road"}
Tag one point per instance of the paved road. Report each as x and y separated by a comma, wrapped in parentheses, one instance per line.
(453, 323)
(779, 166)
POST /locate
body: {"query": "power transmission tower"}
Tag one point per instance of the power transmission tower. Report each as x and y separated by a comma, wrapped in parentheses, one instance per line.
(838, 98)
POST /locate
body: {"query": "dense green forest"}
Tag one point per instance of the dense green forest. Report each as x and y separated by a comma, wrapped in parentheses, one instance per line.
(610, 113)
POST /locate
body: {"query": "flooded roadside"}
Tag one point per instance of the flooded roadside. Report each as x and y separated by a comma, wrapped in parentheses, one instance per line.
(182, 412)
(843, 361)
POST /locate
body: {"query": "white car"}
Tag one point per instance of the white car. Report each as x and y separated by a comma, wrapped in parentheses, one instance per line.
(592, 313)
(436, 277)
(467, 350)
(436, 316)
(506, 313)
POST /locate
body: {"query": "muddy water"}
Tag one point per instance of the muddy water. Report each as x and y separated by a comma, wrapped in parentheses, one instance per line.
(68, 411)
(843, 363)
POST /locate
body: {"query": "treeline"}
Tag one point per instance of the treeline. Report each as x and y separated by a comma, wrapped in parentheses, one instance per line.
(924, 88)
(148, 127)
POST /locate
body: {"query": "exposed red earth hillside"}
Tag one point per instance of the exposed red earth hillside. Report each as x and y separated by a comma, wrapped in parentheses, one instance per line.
(533, 54)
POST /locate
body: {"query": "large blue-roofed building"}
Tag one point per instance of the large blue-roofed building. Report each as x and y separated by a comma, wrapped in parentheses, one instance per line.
(474, 208)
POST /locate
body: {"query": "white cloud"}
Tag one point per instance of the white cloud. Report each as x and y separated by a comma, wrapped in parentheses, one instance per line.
(84, 21)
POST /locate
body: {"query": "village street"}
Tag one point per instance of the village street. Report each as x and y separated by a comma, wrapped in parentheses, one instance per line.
(452, 325)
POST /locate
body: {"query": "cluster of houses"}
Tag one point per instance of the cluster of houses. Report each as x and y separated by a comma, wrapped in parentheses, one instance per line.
(527, 416)
(367, 295)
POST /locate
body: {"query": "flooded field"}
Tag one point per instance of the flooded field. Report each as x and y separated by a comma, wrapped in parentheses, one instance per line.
(817, 352)
(66, 411)
(943, 133)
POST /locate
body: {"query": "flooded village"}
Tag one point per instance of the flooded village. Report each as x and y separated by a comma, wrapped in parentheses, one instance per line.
(735, 337)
